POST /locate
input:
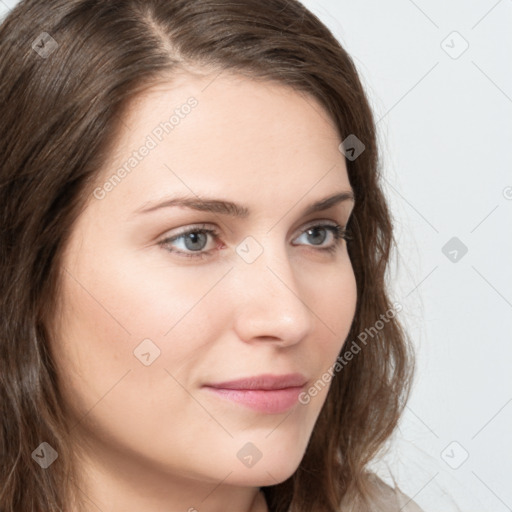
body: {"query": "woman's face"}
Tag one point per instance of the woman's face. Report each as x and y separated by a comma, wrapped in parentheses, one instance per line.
(151, 320)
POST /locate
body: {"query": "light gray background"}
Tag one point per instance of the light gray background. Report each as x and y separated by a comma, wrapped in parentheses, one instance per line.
(445, 124)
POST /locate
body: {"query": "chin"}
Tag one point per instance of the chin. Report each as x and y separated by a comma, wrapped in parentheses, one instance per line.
(263, 478)
(267, 471)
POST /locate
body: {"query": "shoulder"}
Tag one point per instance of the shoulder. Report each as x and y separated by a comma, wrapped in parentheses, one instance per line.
(388, 499)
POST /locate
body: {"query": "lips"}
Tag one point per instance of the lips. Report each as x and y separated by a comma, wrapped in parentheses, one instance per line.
(271, 394)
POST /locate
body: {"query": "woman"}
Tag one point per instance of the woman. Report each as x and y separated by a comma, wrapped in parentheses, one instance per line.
(194, 242)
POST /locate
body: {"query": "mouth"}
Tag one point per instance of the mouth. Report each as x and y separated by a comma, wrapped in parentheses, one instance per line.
(270, 394)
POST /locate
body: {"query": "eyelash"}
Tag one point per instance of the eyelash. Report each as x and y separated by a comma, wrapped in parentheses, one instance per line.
(337, 230)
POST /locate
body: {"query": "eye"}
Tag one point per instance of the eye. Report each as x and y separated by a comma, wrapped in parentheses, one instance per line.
(192, 241)
(317, 235)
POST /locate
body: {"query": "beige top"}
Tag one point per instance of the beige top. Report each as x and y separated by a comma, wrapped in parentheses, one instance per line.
(385, 499)
(388, 499)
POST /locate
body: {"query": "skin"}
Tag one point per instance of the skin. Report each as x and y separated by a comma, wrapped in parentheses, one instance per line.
(152, 437)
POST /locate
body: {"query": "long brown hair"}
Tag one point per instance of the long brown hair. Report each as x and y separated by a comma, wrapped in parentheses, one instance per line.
(68, 70)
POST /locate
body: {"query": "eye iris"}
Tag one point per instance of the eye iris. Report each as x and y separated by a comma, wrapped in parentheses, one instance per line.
(314, 239)
(195, 239)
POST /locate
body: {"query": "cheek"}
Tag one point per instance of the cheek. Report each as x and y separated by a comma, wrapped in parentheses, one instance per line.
(334, 306)
(120, 295)
(119, 389)
(333, 299)
(125, 330)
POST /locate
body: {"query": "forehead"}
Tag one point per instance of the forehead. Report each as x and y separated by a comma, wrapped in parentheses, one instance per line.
(225, 133)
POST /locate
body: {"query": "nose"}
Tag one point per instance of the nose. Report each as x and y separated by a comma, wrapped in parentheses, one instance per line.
(269, 303)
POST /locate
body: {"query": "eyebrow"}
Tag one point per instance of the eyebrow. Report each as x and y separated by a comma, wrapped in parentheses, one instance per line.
(232, 209)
